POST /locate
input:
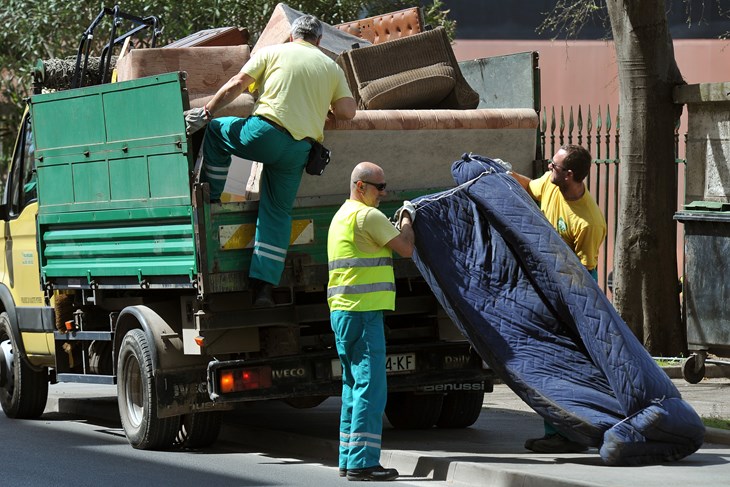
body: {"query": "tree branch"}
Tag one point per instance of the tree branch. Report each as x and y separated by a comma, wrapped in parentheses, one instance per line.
(569, 16)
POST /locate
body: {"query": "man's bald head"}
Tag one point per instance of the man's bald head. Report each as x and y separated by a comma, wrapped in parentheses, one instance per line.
(365, 171)
(364, 182)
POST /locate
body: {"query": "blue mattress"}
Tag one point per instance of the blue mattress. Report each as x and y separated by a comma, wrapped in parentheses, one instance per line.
(538, 318)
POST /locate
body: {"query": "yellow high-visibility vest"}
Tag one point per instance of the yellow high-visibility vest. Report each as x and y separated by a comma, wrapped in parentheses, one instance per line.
(358, 281)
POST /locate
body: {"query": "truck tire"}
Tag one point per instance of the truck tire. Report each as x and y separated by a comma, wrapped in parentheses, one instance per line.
(408, 410)
(137, 397)
(198, 430)
(23, 390)
(461, 409)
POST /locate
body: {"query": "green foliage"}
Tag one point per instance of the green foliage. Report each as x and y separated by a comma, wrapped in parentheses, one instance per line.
(668, 361)
(715, 422)
(34, 30)
(436, 16)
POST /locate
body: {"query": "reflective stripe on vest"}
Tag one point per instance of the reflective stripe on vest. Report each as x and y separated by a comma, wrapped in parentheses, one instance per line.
(361, 288)
(358, 281)
(360, 262)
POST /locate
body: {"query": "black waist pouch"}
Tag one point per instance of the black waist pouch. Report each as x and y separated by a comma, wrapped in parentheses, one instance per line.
(319, 157)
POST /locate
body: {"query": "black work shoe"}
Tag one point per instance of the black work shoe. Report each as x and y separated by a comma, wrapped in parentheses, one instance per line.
(263, 297)
(373, 474)
(343, 472)
(530, 441)
(554, 443)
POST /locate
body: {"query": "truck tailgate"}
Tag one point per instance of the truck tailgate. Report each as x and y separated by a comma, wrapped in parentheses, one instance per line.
(114, 173)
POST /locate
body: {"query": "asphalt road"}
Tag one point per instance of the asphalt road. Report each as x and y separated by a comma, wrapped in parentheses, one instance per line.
(488, 454)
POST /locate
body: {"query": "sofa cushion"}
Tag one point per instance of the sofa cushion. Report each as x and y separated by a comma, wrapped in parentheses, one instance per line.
(416, 88)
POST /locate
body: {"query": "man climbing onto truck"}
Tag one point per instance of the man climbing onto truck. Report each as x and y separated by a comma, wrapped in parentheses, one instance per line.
(299, 88)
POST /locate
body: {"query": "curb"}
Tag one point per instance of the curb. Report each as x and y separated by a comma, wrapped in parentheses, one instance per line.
(717, 436)
(446, 469)
(103, 409)
(712, 371)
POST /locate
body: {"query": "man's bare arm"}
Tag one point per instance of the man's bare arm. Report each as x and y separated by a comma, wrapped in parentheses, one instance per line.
(404, 243)
(344, 108)
(523, 180)
(229, 92)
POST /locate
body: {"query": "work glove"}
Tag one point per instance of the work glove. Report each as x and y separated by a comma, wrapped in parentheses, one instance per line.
(504, 164)
(408, 207)
(196, 119)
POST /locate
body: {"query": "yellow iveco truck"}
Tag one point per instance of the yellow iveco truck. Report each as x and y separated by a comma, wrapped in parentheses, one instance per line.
(119, 270)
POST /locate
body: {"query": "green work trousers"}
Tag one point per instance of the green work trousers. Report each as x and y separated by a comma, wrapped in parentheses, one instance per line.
(283, 160)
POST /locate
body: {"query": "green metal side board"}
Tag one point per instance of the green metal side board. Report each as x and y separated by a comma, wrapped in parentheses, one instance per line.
(114, 185)
(509, 81)
(229, 230)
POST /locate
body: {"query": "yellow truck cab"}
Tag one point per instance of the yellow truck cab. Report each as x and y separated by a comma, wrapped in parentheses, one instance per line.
(26, 322)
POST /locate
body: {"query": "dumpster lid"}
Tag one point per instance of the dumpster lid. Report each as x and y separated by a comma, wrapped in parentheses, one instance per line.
(707, 206)
(704, 211)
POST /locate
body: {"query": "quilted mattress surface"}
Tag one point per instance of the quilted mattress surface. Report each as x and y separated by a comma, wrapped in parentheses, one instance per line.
(537, 317)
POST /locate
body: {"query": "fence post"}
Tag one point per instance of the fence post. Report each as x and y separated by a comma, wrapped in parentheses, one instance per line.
(570, 126)
(552, 132)
(589, 130)
(580, 126)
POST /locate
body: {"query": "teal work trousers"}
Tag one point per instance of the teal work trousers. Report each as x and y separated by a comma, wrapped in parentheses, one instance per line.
(283, 160)
(360, 341)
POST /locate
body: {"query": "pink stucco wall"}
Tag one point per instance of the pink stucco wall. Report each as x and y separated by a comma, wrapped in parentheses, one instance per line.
(585, 72)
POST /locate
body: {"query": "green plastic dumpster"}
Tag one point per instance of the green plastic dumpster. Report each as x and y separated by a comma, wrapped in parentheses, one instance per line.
(706, 287)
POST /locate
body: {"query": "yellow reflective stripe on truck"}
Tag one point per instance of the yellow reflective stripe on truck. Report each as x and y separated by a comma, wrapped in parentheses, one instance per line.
(237, 237)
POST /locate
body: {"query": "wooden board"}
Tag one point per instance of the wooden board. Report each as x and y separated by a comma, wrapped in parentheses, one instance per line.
(278, 29)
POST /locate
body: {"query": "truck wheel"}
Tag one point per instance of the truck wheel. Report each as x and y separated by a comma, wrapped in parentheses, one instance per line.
(137, 397)
(23, 391)
(461, 409)
(408, 410)
(198, 430)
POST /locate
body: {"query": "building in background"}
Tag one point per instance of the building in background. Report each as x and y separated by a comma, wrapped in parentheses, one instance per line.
(584, 71)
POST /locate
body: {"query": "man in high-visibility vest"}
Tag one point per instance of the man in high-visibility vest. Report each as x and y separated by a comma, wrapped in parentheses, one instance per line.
(361, 286)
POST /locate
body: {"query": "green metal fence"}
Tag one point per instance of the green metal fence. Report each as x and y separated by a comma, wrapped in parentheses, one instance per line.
(599, 132)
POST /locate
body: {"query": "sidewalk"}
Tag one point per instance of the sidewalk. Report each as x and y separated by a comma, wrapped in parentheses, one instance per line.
(491, 452)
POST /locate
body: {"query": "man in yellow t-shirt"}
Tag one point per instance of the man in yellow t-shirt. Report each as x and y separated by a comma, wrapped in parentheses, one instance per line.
(299, 88)
(361, 286)
(572, 211)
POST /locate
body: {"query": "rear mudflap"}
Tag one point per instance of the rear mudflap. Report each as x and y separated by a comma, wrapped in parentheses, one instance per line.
(183, 391)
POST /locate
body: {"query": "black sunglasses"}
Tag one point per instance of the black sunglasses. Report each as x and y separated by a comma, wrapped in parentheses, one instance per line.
(378, 186)
(561, 168)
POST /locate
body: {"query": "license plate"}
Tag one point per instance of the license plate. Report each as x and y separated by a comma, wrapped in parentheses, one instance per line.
(401, 362)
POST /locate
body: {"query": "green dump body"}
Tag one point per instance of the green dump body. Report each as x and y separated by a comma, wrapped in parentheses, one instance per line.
(119, 206)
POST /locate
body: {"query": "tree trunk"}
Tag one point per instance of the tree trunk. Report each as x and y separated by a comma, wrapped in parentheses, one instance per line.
(645, 272)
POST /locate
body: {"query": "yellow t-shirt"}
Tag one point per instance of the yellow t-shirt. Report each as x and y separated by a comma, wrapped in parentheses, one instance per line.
(297, 83)
(580, 223)
(373, 230)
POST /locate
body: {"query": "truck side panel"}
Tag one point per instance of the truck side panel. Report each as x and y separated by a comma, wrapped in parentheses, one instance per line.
(114, 185)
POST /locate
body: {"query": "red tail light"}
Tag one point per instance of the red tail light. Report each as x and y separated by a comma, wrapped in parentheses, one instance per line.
(244, 378)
